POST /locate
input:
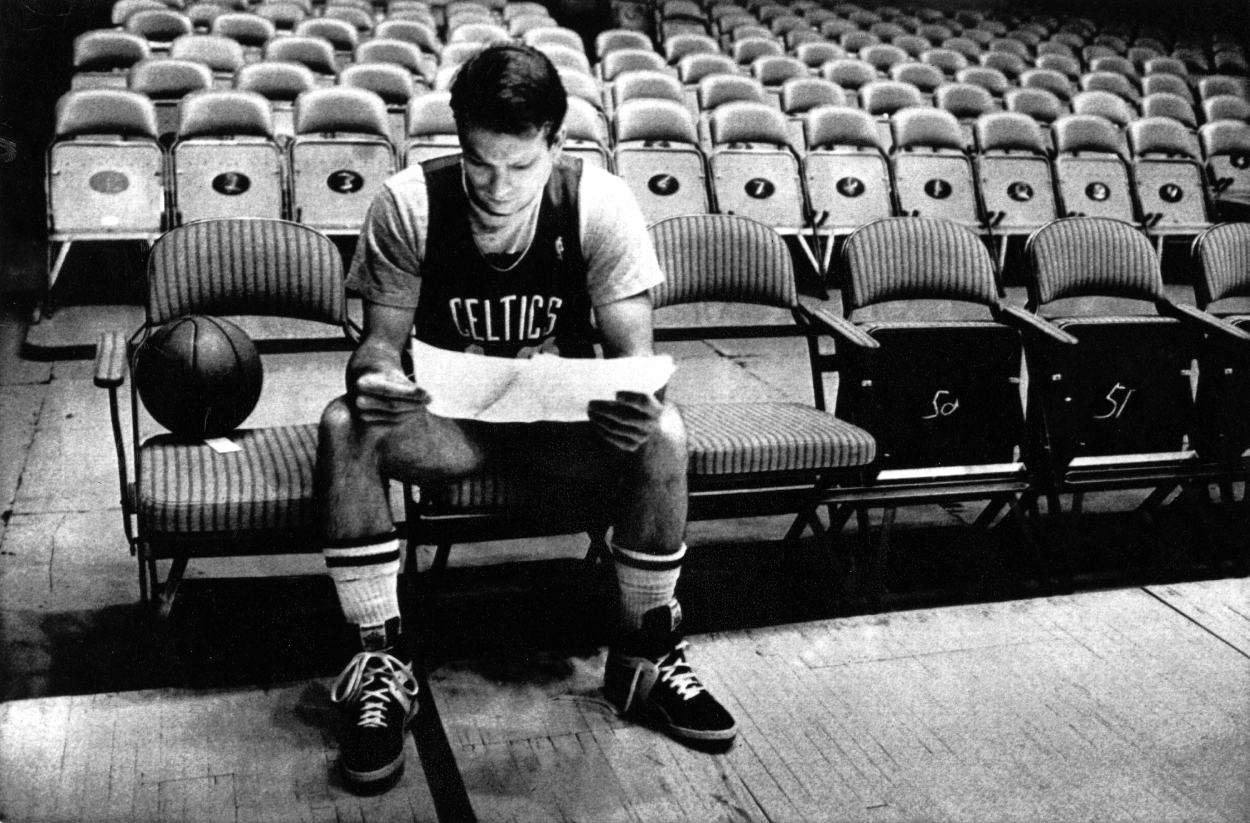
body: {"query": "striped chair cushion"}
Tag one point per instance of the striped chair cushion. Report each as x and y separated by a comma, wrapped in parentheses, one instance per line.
(1082, 256)
(724, 439)
(245, 266)
(909, 258)
(187, 488)
(716, 257)
(1225, 255)
(748, 438)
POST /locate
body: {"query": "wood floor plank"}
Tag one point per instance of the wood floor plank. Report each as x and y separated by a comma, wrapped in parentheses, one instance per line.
(1222, 607)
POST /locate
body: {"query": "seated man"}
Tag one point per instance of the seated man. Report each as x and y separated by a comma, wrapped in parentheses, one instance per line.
(504, 250)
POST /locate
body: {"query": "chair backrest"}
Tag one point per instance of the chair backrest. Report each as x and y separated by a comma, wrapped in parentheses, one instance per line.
(1009, 131)
(358, 18)
(1109, 81)
(945, 60)
(635, 85)
(276, 80)
(883, 57)
(241, 266)
(992, 80)
(838, 126)
(1226, 107)
(927, 128)
(885, 97)
(105, 111)
(913, 45)
(1039, 104)
(1106, 105)
(848, 73)
(623, 60)
(169, 79)
(1069, 67)
(964, 100)
(431, 114)
(1163, 104)
(1010, 65)
(341, 109)
(653, 119)
(1162, 135)
(1115, 63)
(922, 76)
(1086, 133)
(814, 55)
(390, 82)
(773, 70)
(218, 53)
(340, 34)
(108, 50)
(1209, 87)
(1092, 256)
(314, 52)
(748, 122)
(722, 258)
(1167, 65)
(225, 113)
(245, 29)
(1223, 254)
(916, 258)
(410, 31)
(583, 122)
(158, 25)
(614, 39)
(1051, 81)
(720, 89)
(802, 94)
(398, 52)
(680, 45)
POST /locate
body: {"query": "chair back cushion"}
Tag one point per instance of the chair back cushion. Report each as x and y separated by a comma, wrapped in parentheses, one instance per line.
(722, 258)
(1093, 256)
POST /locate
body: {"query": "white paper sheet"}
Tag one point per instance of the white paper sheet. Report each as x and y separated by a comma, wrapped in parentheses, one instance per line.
(543, 387)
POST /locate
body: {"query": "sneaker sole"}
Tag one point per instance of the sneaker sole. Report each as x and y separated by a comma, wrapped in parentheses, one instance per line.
(702, 735)
(364, 779)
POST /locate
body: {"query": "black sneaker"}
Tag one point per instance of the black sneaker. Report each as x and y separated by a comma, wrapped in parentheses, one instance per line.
(379, 696)
(657, 684)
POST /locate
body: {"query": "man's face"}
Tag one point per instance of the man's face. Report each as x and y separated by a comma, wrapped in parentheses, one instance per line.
(507, 171)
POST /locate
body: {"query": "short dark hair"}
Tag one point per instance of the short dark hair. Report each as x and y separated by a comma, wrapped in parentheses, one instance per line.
(509, 89)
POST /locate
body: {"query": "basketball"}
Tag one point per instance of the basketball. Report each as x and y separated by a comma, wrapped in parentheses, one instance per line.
(198, 376)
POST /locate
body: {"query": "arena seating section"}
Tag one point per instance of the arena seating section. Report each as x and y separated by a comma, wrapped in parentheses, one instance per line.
(813, 119)
(1000, 120)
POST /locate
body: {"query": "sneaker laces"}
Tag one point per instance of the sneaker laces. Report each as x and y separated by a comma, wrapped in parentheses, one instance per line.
(674, 670)
(373, 678)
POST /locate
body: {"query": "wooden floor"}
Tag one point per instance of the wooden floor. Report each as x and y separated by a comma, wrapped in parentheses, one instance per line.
(1131, 704)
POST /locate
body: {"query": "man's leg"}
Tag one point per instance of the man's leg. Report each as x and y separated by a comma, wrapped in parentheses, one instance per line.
(361, 549)
(647, 672)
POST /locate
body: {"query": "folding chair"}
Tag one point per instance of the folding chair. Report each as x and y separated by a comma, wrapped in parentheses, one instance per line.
(1223, 276)
(755, 171)
(1168, 177)
(586, 134)
(186, 499)
(967, 102)
(747, 459)
(106, 173)
(846, 173)
(802, 94)
(281, 84)
(165, 81)
(1014, 177)
(885, 98)
(941, 391)
(394, 84)
(851, 75)
(933, 175)
(1113, 411)
(1226, 146)
(222, 55)
(1090, 169)
(226, 162)
(102, 58)
(431, 129)
(340, 157)
(773, 71)
(719, 89)
(657, 153)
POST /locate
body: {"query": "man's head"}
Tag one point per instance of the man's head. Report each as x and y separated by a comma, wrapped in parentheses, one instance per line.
(509, 106)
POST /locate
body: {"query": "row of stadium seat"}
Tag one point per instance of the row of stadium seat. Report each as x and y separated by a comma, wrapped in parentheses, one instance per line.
(108, 175)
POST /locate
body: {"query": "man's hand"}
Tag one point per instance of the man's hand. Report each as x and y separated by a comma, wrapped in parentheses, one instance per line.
(627, 422)
(387, 396)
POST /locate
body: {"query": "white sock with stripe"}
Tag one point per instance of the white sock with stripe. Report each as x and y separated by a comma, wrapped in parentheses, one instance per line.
(645, 581)
(365, 571)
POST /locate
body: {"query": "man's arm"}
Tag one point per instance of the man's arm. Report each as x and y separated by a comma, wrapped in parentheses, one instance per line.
(377, 387)
(632, 418)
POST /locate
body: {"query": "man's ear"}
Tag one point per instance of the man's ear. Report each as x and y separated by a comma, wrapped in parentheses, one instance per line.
(557, 142)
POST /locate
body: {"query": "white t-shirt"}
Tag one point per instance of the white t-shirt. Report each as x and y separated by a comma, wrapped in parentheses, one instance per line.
(620, 258)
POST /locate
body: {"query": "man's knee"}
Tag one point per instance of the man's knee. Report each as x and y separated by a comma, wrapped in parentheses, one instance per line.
(667, 448)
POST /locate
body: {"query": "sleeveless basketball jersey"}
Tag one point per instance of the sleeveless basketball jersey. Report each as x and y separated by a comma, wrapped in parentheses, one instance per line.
(541, 303)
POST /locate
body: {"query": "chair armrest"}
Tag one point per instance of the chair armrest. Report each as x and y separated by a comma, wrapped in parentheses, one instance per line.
(1202, 321)
(835, 325)
(110, 360)
(1028, 323)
